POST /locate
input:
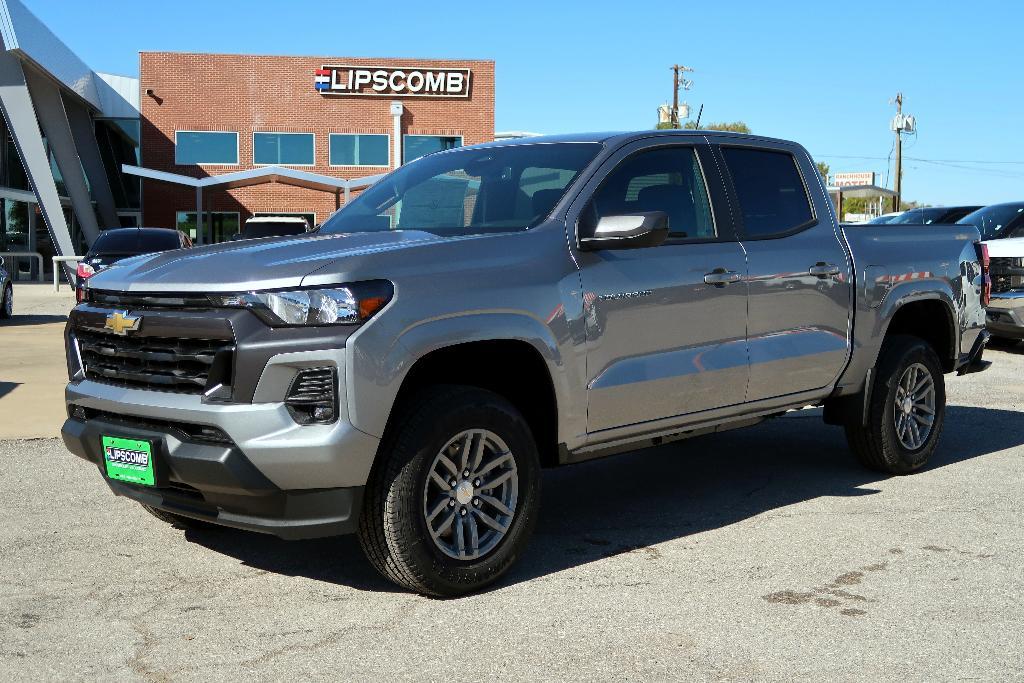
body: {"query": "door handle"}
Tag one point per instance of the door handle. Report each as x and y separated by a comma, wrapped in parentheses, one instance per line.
(720, 277)
(823, 270)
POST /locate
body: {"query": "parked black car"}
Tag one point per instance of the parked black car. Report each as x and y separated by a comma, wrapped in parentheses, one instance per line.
(998, 220)
(6, 292)
(120, 243)
(934, 214)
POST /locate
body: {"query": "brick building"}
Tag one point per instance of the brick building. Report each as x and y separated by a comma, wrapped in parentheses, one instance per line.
(210, 114)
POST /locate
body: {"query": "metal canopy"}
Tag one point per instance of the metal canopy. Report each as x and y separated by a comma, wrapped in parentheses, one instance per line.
(257, 176)
(861, 191)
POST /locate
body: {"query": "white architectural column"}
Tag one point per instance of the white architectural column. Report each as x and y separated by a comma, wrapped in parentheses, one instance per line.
(49, 107)
(20, 116)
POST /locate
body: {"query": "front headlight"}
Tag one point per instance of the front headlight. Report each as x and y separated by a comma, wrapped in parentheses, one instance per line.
(339, 305)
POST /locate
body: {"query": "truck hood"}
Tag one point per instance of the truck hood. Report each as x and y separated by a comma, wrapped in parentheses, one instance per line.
(248, 264)
(1007, 247)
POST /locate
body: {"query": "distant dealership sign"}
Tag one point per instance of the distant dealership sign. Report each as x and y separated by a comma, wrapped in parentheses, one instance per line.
(853, 179)
(373, 81)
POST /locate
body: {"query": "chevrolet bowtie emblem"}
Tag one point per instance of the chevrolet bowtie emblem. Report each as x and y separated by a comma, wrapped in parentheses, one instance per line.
(121, 323)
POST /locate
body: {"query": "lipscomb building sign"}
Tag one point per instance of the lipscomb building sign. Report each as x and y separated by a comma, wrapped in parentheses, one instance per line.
(369, 81)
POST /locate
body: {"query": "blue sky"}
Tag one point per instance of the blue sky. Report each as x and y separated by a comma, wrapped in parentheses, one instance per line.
(821, 73)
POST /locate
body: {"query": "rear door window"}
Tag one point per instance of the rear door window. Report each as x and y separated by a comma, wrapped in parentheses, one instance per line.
(772, 197)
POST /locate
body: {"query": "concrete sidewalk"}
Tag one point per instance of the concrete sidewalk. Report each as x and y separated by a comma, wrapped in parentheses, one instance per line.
(32, 367)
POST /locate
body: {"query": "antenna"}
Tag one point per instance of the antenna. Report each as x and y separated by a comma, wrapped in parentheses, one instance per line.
(699, 113)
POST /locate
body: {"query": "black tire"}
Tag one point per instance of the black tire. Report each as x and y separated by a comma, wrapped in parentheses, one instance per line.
(877, 444)
(7, 302)
(392, 528)
(179, 521)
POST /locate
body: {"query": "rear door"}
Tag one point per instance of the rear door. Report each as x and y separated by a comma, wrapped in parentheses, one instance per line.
(665, 325)
(799, 283)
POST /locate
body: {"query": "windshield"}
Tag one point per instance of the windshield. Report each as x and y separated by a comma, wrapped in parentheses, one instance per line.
(991, 221)
(468, 191)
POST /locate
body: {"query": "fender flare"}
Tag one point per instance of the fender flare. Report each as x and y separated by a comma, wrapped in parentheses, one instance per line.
(371, 399)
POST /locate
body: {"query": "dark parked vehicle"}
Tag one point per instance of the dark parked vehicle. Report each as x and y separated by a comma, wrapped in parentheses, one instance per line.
(997, 221)
(404, 372)
(272, 226)
(120, 243)
(927, 215)
(884, 219)
(6, 292)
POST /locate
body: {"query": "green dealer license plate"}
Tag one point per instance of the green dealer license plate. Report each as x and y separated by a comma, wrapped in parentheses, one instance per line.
(129, 460)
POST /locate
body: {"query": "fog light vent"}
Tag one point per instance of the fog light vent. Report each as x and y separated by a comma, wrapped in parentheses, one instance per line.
(313, 396)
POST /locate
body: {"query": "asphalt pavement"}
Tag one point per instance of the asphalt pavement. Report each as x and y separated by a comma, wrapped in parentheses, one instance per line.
(760, 554)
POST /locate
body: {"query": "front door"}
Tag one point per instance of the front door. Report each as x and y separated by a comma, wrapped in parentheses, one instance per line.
(799, 276)
(666, 325)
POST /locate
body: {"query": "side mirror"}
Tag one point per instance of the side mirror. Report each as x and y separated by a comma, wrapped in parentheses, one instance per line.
(629, 231)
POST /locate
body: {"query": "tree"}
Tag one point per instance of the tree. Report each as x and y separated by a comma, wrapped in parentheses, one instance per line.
(665, 125)
(823, 168)
(733, 127)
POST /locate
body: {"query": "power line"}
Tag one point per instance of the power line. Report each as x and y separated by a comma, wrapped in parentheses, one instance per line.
(935, 161)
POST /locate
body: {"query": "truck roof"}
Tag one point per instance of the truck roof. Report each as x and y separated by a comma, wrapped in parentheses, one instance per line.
(626, 136)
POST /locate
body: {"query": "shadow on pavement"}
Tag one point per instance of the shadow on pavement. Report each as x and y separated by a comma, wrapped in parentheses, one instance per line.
(37, 319)
(1006, 345)
(634, 501)
(8, 387)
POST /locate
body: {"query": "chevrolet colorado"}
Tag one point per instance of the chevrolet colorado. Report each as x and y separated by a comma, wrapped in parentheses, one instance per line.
(406, 371)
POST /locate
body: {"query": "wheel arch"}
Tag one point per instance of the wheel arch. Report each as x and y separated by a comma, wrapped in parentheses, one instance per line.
(511, 354)
(927, 315)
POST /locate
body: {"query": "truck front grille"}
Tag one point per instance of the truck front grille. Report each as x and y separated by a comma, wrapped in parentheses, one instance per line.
(187, 366)
(1007, 273)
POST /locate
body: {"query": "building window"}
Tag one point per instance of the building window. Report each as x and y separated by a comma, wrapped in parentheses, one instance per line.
(201, 147)
(118, 140)
(289, 149)
(360, 150)
(420, 145)
(223, 226)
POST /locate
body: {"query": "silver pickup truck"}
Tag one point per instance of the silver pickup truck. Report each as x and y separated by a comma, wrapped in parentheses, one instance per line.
(406, 371)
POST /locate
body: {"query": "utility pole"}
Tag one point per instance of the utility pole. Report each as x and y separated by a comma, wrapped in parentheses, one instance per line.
(676, 82)
(898, 183)
(903, 123)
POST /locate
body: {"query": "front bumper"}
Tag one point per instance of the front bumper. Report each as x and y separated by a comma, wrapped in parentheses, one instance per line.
(1004, 316)
(216, 482)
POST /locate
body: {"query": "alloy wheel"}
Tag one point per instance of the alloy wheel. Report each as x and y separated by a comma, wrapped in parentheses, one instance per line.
(470, 496)
(914, 407)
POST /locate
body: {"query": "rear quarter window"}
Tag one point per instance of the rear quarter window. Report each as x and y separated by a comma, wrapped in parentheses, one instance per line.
(770, 191)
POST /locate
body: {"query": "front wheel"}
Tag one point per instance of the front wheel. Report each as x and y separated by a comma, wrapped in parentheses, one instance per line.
(454, 499)
(905, 416)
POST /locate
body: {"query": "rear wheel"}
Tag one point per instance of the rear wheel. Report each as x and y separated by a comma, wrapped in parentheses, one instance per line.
(7, 304)
(179, 521)
(454, 499)
(905, 416)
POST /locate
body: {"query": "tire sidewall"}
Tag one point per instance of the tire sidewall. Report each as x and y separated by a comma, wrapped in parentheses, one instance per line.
(903, 356)
(476, 410)
(7, 302)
